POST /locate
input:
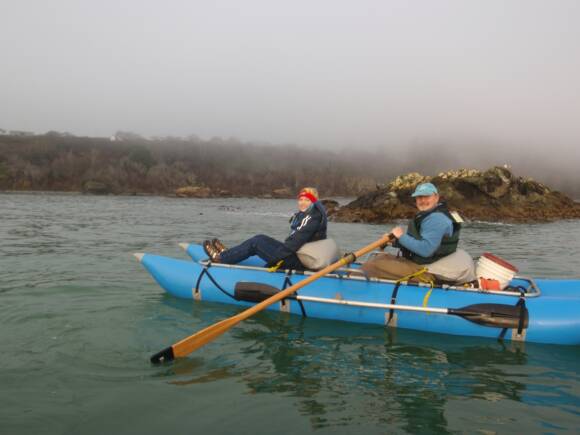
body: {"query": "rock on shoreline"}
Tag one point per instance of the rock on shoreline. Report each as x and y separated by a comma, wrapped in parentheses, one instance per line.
(207, 192)
(194, 192)
(492, 195)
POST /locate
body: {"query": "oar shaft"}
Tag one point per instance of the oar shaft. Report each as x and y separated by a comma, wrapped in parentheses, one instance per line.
(494, 315)
(199, 339)
(292, 289)
(186, 346)
(373, 305)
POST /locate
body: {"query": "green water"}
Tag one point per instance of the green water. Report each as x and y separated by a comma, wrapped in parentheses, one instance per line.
(79, 318)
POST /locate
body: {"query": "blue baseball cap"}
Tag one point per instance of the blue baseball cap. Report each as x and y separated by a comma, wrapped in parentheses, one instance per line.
(425, 189)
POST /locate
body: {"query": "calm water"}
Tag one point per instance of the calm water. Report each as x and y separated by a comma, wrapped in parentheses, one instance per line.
(79, 318)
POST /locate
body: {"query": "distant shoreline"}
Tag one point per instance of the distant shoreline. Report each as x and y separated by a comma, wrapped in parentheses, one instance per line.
(142, 194)
(131, 164)
(134, 165)
(341, 199)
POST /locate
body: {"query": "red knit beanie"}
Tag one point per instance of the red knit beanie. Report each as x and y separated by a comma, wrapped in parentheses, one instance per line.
(305, 194)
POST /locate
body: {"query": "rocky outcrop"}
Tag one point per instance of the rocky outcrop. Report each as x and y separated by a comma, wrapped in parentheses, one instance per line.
(330, 205)
(201, 192)
(492, 195)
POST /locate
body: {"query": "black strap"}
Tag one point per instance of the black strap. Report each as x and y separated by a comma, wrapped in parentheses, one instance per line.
(517, 288)
(522, 304)
(288, 283)
(502, 334)
(205, 271)
(393, 301)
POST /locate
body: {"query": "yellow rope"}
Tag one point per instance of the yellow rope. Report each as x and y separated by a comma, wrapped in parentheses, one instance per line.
(413, 275)
(420, 279)
(276, 266)
(428, 295)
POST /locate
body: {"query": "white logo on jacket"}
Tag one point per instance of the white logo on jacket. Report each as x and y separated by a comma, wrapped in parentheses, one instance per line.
(304, 222)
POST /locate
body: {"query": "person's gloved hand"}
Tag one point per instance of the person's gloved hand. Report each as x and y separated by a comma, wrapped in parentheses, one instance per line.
(398, 232)
(390, 242)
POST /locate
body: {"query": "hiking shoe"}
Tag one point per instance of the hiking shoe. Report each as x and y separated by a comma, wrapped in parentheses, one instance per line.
(218, 245)
(211, 251)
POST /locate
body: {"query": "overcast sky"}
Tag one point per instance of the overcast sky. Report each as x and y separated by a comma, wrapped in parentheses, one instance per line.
(322, 73)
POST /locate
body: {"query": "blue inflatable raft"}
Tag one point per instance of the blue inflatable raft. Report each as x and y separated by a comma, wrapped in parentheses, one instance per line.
(542, 310)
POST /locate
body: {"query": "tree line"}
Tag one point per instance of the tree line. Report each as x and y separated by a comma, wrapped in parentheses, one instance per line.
(127, 163)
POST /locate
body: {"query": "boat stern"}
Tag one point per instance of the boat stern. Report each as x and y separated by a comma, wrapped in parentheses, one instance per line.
(175, 276)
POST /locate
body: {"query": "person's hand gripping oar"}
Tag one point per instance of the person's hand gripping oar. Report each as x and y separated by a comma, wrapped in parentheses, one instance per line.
(201, 338)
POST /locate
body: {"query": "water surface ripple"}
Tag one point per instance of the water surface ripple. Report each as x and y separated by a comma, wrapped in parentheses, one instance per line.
(80, 317)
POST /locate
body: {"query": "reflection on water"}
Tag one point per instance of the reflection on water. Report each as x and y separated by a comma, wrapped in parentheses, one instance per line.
(347, 374)
(79, 319)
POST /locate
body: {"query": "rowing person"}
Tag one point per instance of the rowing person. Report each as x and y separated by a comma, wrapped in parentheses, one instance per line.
(431, 235)
(306, 225)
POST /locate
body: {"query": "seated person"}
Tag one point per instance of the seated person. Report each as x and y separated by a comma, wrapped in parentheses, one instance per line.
(307, 225)
(431, 235)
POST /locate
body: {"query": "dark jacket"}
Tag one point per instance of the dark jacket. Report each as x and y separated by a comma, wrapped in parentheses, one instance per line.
(307, 226)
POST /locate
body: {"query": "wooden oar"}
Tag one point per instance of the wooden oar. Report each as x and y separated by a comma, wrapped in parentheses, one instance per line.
(201, 338)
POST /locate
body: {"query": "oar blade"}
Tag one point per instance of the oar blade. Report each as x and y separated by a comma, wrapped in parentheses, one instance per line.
(194, 342)
(253, 291)
(494, 315)
(164, 355)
